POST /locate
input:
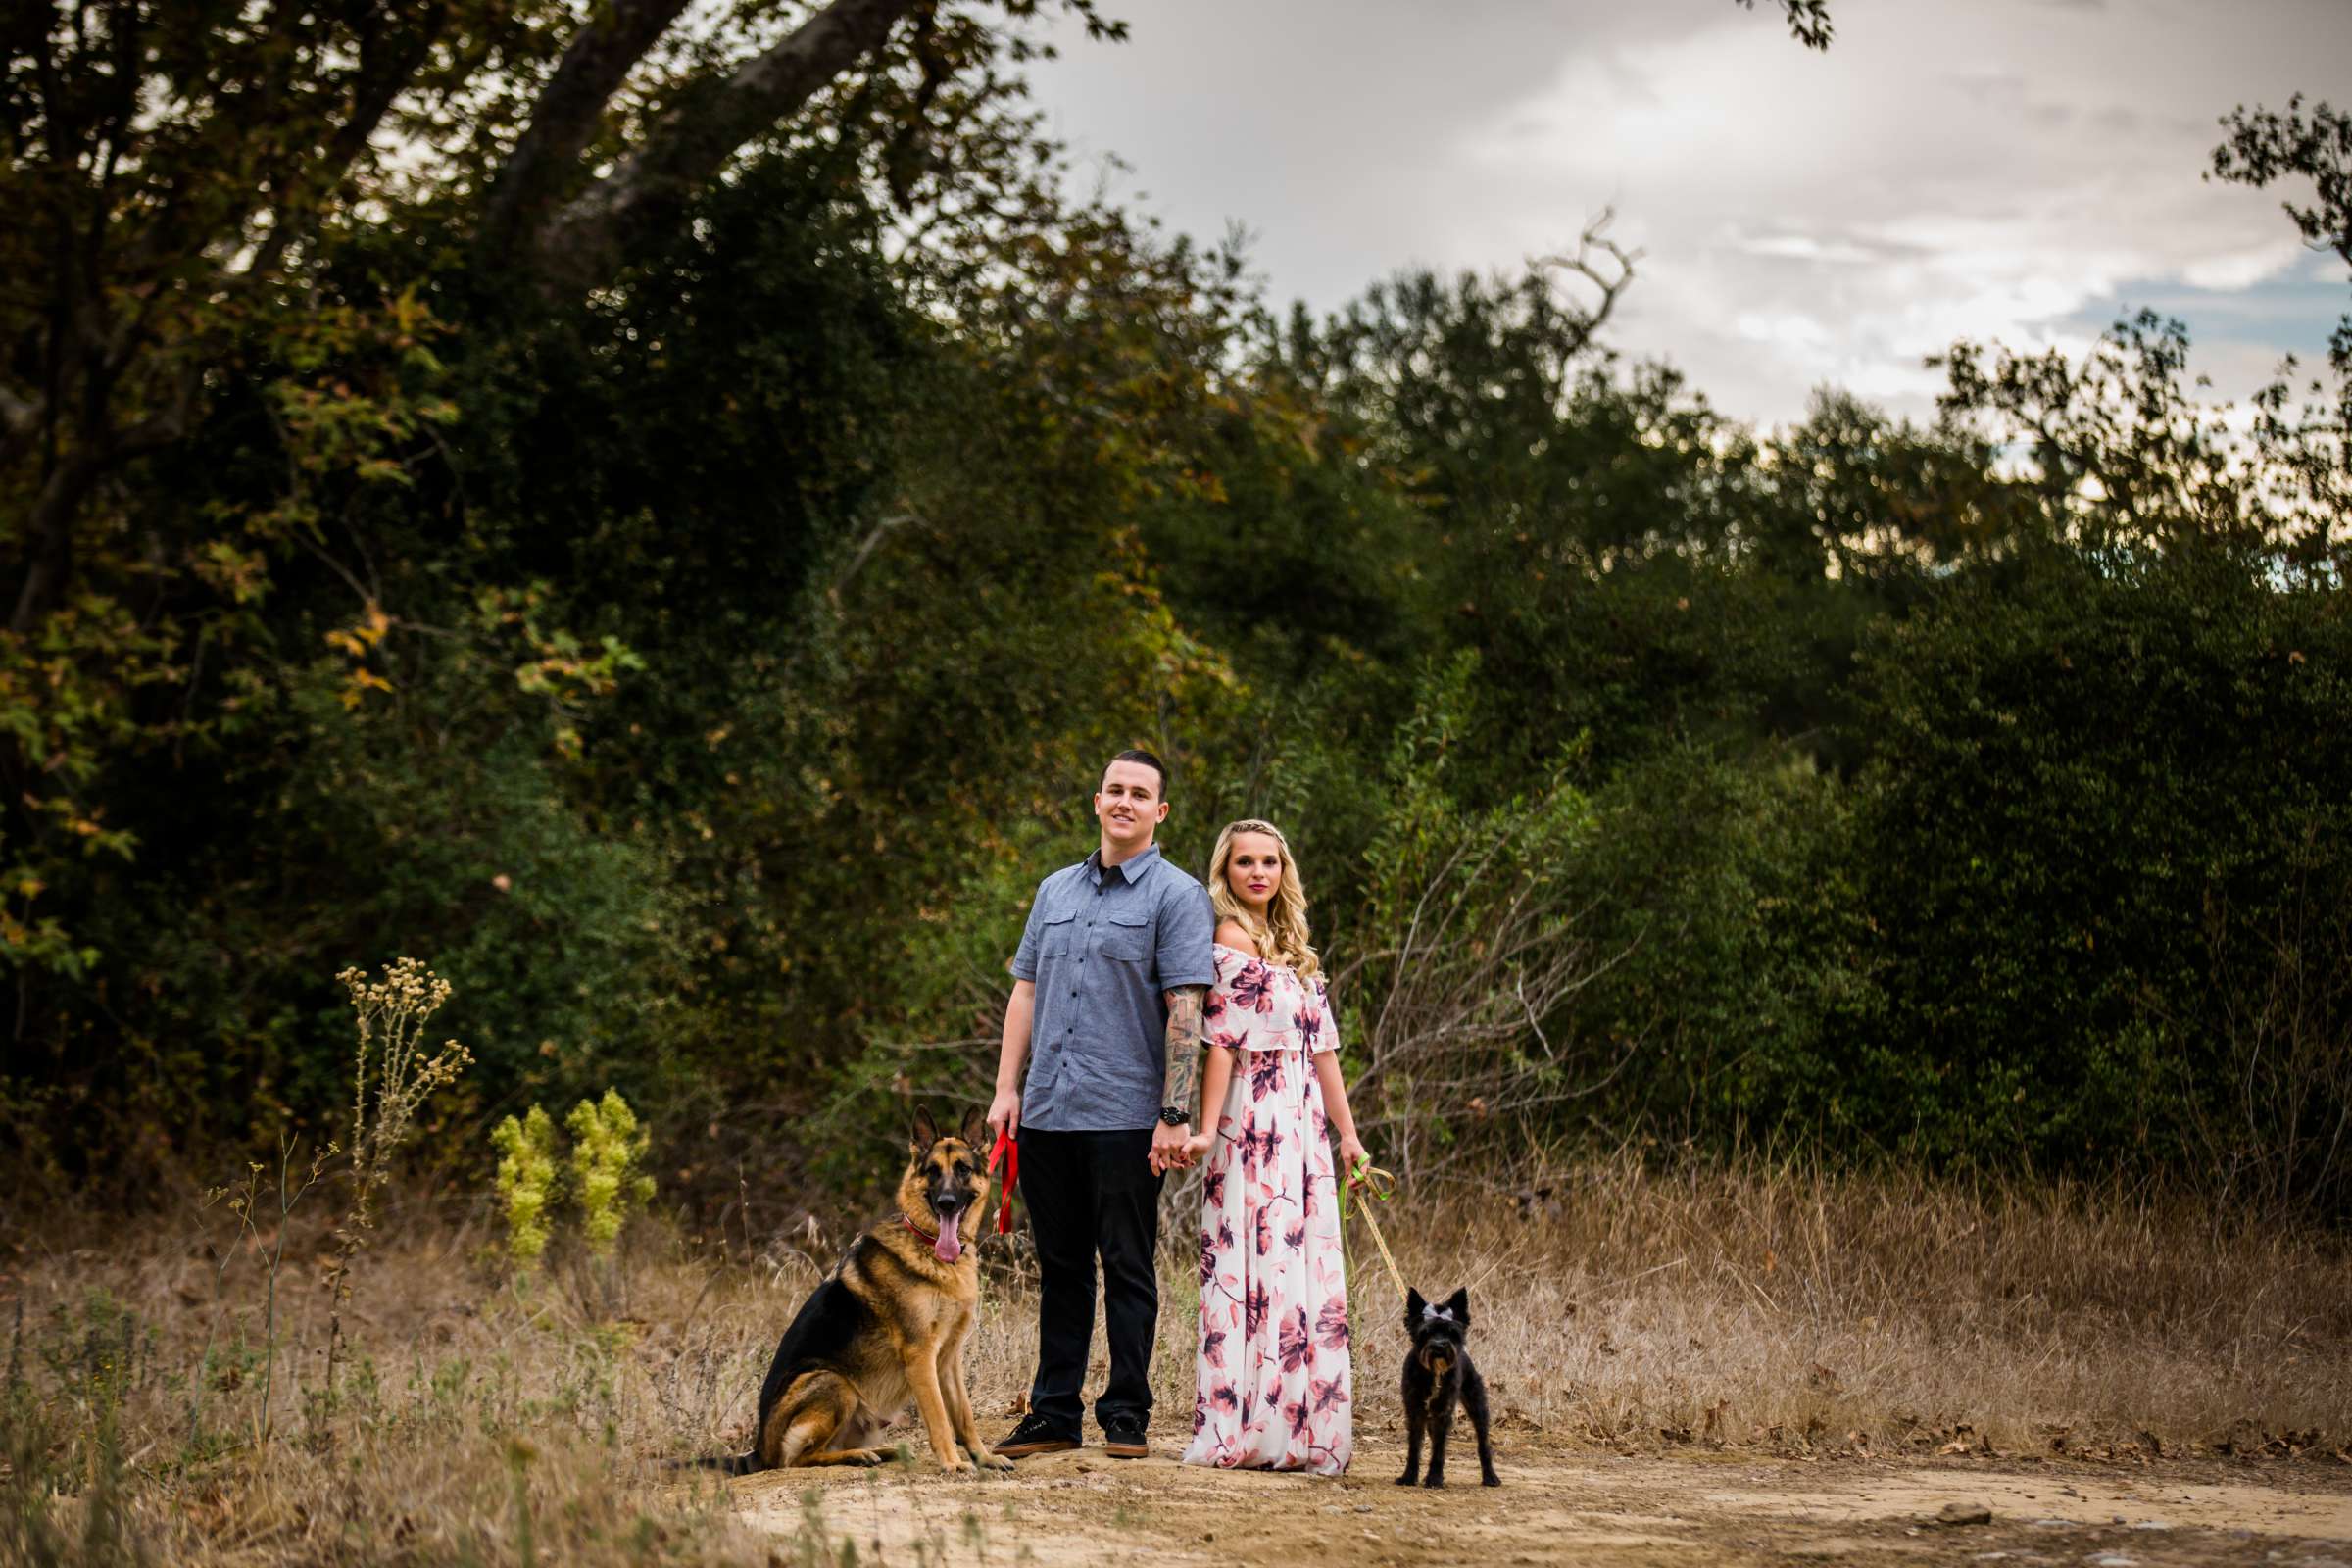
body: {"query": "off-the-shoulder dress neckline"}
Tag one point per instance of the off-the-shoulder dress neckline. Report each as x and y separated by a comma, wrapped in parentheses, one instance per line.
(1254, 957)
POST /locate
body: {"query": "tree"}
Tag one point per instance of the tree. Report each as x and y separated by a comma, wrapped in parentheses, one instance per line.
(244, 241)
(150, 247)
(1808, 20)
(2265, 146)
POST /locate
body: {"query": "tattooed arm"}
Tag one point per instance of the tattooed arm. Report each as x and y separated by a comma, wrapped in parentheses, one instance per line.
(1183, 1086)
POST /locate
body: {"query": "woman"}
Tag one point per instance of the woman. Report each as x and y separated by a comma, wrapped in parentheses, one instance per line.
(1272, 1367)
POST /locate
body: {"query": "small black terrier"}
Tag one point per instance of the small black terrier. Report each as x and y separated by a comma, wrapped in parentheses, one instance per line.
(1435, 1374)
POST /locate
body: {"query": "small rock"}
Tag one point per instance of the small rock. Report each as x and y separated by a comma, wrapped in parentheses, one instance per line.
(1964, 1513)
(2114, 1559)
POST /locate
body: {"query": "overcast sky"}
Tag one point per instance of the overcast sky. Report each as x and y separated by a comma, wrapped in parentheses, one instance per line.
(2019, 170)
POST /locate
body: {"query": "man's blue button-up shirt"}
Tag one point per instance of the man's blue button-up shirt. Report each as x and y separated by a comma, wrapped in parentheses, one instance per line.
(1102, 949)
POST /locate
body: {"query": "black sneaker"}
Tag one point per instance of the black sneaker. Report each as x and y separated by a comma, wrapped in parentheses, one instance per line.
(1123, 1437)
(1035, 1435)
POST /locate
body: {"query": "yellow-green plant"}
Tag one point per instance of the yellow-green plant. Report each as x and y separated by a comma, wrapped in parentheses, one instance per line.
(608, 1177)
(526, 1183)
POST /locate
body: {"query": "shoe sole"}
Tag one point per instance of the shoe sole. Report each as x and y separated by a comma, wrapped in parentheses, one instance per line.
(1127, 1450)
(1022, 1450)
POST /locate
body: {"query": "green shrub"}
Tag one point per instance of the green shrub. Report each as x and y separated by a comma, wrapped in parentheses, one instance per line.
(2108, 806)
(604, 1176)
(526, 1183)
(1718, 885)
(608, 1177)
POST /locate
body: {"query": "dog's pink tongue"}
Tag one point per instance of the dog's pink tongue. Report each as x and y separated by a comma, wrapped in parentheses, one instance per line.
(949, 1246)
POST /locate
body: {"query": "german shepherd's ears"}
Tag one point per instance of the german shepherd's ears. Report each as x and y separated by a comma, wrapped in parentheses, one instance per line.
(923, 1132)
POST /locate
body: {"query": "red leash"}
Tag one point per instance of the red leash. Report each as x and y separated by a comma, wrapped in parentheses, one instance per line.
(1010, 1154)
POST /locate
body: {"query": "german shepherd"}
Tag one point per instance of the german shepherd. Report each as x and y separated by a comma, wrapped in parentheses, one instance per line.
(887, 1326)
(1436, 1372)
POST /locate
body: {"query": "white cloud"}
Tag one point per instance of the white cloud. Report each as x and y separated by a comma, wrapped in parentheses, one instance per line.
(2237, 269)
(1984, 171)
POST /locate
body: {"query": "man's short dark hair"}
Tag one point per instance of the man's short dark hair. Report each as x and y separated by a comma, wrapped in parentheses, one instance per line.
(1135, 753)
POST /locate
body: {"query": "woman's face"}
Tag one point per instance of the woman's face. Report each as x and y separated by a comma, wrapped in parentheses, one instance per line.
(1254, 869)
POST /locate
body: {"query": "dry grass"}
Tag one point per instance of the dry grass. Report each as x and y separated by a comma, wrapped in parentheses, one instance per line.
(1615, 1307)
(1619, 1304)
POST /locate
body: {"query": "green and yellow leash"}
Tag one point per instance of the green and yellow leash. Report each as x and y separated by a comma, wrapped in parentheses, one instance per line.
(1379, 1186)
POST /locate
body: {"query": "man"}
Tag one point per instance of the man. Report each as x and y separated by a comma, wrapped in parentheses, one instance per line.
(1105, 1011)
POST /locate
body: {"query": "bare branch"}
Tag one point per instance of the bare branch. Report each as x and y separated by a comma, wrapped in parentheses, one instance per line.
(866, 547)
(18, 418)
(1600, 260)
(690, 142)
(569, 110)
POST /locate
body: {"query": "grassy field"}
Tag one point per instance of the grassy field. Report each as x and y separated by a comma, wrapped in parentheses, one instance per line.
(167, 1397)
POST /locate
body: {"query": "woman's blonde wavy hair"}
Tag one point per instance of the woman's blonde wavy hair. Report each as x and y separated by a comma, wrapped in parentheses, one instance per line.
(1283, 935)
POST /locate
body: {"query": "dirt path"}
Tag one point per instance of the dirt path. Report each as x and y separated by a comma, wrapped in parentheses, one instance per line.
(1084, 1508)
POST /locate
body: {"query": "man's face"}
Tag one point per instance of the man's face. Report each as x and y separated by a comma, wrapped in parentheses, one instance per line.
(1128, 804)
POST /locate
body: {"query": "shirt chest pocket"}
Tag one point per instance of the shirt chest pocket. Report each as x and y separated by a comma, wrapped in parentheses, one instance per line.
(1054, 940)
(1127, 938)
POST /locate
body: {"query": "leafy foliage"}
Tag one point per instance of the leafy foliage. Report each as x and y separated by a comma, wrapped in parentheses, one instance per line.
(2081, 768)
(608, 1168)
(679, 558)
(525, 1183)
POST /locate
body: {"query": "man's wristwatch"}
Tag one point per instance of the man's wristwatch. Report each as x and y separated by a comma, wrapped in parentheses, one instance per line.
(1175, 1116)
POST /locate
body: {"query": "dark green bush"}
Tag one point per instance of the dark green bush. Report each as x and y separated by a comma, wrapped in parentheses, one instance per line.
(2097, 788)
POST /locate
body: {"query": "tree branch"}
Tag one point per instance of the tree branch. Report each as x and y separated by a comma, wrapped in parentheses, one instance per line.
(691, 141)
(18, 418)
(1610, 280)
(567, 115)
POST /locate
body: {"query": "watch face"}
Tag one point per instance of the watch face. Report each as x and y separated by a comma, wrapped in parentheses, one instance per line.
(1173, 1118)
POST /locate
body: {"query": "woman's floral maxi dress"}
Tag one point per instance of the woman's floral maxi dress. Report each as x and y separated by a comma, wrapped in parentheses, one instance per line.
(1272, 1366)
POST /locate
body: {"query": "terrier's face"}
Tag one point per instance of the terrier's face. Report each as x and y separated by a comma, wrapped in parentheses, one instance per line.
(1439, 1331)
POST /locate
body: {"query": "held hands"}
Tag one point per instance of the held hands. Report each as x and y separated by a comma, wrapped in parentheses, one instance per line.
(1198, 1145)
(1171, 1148)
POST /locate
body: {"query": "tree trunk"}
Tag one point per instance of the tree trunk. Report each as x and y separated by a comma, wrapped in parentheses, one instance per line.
(51, 568)
(687, 146)
(567, 115)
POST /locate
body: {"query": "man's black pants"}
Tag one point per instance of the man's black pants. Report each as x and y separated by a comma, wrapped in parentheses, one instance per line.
(1091, 1193)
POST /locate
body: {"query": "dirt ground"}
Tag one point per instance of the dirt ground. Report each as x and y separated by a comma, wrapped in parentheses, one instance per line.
(1566, 1505)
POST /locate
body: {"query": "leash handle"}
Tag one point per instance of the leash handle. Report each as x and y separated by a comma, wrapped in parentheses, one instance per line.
(1010, 1153)
(1379, 1186)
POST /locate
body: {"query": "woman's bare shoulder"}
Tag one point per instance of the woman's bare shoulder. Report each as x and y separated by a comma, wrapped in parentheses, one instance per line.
(1233, 936)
